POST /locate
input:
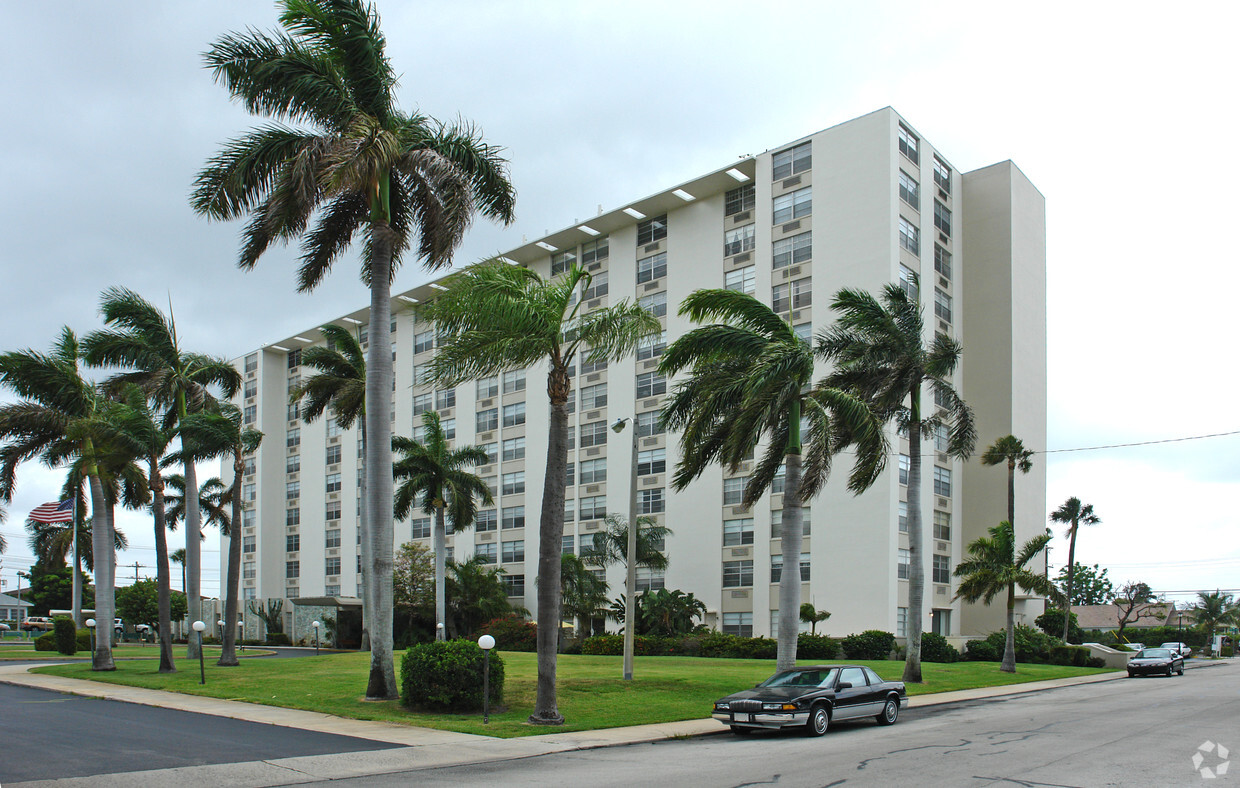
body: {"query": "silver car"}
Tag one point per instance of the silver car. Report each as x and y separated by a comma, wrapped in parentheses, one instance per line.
(1180, 648)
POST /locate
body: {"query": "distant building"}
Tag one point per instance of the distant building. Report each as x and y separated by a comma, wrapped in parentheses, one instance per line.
(13, 609)
(861, 204)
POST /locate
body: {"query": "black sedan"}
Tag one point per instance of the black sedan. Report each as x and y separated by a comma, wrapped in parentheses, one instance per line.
(1155, 662)
(813, 698)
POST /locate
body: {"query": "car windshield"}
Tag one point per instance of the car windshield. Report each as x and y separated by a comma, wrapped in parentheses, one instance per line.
(801, 678)
(1154, 653)
(1172, 645)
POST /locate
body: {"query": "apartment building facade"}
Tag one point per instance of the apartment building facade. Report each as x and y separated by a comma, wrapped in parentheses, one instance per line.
(861, 204)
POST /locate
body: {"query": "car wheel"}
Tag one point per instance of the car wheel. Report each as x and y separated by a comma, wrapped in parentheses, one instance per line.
(741, 730)
(891, 711)
(1131, 675)
(819, 721)
(1180, 671)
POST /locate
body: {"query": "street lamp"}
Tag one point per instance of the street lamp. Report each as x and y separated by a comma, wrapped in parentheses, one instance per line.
(220, 624)
(630, 575)
(316, 625)
(486, 643)
(202, 665)
(90, 624)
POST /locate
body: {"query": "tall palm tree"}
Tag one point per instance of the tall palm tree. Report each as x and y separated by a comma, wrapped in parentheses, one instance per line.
(1009, 449)
(435, 472)
(341, 386)
(365, 167)
(178, 557)
(140, 338)
(214, 502)
(1075, 514)
(53, 421)
(879, 348)
(1213, 610)
(751, 377)
(994, 567)
(611, 545)
(223, 433)
(495, 317)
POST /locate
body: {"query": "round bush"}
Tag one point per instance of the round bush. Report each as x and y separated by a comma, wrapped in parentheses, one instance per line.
(935, 648)
(980, 651)
(816, 646)
(45, 642)
(511, 632)
(871, 644)
(447, 676)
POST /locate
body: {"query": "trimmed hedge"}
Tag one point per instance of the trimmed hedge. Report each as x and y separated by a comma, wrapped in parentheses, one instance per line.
(871, 644)
(716, 645)
(45, 642)
(1032, 646)
(935, 648)
(447, 676)
(66, 635)
(511, 632)
(981, 651)
(277, 639)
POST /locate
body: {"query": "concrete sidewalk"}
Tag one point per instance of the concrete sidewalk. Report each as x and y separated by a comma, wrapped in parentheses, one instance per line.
(413, 748)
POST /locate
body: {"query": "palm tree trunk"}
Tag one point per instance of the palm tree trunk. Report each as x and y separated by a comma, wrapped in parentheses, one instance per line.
(77, 557)
(916, 567)
(550, 538)
(363, 515)
(193, 546)
(1012, 494)
(439, 545)
(105, 595)
(1009, 647)
(162, 579)
(378, 458)
(228, 650)
(790, 577)
(1067, 605)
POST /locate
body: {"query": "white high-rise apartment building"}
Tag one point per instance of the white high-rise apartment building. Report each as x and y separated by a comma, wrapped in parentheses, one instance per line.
(861, 204)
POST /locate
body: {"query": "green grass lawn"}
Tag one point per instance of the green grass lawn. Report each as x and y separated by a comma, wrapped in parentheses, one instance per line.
(125, 651)
(591, 692)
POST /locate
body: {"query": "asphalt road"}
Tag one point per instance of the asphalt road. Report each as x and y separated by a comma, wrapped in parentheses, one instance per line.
(46, 735)
(1130, 732)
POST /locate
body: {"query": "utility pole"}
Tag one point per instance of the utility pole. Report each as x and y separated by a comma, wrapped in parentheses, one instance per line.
(135, 572)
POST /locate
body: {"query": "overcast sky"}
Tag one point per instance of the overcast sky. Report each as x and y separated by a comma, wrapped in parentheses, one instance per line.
(1121, 115)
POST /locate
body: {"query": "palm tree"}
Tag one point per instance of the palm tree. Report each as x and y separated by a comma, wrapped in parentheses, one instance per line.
(1009, 449)
(436, 473)
(364, 166)
(879, 349)
(3, 515)
(142, 339)
(475, 594)
(341, 385)
(994, 567)
(224, 434)
(813, 616)
(1214, 610)
(214, 502)
(584, 593)
(53, 421)
(611, 545)
(751, 377)
(495, 317)
(178, 557)
(1076, 514)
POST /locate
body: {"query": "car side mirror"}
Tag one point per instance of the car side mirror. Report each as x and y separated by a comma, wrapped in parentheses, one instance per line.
(844, 685)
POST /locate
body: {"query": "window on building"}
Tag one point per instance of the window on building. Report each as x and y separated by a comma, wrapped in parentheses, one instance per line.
(445, 398)
(248, 570)
(491, 484)
(514, 449)
(908, 281)
(594, 434)
(589, 364)
(740, 280)
(513, 517)
(652, 230)
(294, 358)
(739, 624)
(655, 303)
(792, 295)
(597, 288)
(331, 566)
(594, 471)
(594, 396)
(651, 462)
(331, 511)
(332, 482)
(651, 384)
(942, 526)
(791, 161)
(651, 268)
(792, 205)
(942, 306)
(739, 239)
(514, 381)
(292, 569)
(332, 456)
(570, 472)
(595, 251)
(910, 236)
(904, 467)
(514, 585)
(777, 522)
(777, 566)
(293, 411)
(248, 492)
(737, 574)
(568, 544)
(331, 538)
(901, 622)
(250, 414)
(292, 516)
(792, 250)
(942, 218)
(424, 341)
(908, 190)
(651, 346)
(562, 261)
(734, 490)
(513, 551)
(486, 420)
(421, 403)
(902, 562)
(486, 552)
(247, 544)
(650, 501)
(777, 481)
(647, 579)
(648, 424)
(942, 175)
(514, 483)
(420, 528)
(592, 507)
(486, 520)
(942, 570)
(421, 374)
(251, 388)
(739, 199)
(292, 490)
(487, 387)
(570, 508)
(903, 516)
(942, 262)
(293, 438)
(738, 532)
(514, 414)
(942, 482)
(251, 363)
(908, 144)
(449, 428)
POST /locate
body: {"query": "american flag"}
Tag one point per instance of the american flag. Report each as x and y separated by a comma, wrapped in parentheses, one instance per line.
(53, 512)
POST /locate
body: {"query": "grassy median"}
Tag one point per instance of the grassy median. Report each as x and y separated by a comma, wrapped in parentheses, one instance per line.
(124, 651)
(591, 692)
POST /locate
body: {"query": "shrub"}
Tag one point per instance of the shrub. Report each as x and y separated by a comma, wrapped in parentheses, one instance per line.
(935, 648)
(871, 644)
(603, 645)
(980, 651)
(1095, 662)
(1069, 655)
(755, 648)
(1051, 622)
(45, 642)
(1032, 645)
(66, 635)
(83, 640)
(511, 632)
(811, 646)
(278, 639)
(717, 644)
(447, 675)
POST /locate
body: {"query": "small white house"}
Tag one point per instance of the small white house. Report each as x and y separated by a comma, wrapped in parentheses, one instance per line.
(13, 609)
